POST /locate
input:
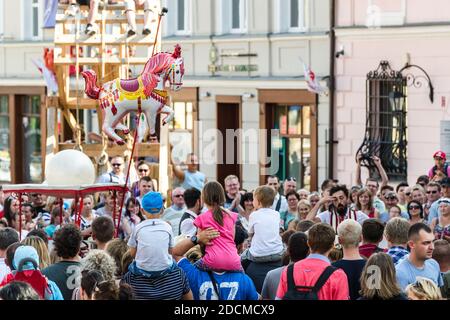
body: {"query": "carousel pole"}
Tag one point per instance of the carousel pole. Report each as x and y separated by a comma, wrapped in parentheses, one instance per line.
(125, 189)
(61, 216)
(20, 216)
(160, 15)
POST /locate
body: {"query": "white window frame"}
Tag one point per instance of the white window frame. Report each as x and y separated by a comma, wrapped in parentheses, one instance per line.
(302, 8)
(27, 19)
(187, 18)
(243, 17)
(2, 20)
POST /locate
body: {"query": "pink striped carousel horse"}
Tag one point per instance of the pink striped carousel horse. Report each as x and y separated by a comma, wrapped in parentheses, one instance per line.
(145, 93)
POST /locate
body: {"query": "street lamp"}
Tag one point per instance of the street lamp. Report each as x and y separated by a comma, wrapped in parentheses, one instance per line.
(396, 99)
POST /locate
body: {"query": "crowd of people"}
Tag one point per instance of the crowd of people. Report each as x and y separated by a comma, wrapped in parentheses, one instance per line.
(208, 241)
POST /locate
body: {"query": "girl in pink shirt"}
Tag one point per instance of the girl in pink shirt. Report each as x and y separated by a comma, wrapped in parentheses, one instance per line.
(222, 254)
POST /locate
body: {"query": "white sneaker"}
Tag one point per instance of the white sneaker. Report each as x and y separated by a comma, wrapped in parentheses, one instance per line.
(91, 29)
(131, 31)
(72, 10)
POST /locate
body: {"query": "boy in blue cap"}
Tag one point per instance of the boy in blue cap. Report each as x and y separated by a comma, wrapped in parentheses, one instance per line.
(151, 242)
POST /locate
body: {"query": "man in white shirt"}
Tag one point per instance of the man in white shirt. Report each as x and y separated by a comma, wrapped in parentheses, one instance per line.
(279, 203)
(116, 175)
(8, 236)
(173, 214)
(338, 209)
(193, 200)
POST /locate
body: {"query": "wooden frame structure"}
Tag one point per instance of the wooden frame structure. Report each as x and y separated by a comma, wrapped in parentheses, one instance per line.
(108, 54)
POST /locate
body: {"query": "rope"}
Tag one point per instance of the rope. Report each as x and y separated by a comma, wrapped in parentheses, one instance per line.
(77, 76)
(20, 216)
(129, 167)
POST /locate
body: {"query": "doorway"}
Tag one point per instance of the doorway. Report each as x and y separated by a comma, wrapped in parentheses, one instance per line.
(228, 157)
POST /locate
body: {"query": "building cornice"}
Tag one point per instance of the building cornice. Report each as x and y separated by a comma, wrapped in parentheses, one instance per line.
(27, 44)
(22, 82)
(258, 83)
(405, 31)
(246, 37)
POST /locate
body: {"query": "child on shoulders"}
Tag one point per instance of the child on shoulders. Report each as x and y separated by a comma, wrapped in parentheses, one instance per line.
(222, 254)
(151, 241)
(266, 244)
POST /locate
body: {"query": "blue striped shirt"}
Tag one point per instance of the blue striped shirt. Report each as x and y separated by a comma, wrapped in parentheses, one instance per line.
(171, 286)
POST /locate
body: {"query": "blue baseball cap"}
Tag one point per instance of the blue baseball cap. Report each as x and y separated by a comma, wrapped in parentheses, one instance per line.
(24, 252)
(152, 202)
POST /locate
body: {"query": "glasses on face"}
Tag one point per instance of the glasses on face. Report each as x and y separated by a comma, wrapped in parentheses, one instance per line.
(414, 207)
(143, 170)
(391, 198)
(116, 164)
(178, 196)
(432, 191)
(291, 179)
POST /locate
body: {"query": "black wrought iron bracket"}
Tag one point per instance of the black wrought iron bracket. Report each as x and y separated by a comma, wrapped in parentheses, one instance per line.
(416, 81)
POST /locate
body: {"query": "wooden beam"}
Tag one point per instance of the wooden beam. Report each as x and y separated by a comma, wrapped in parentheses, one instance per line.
(70, 118)
(98, 61)
(85, 103)
(95, 149)
(14, 165)
(112, 19)
(109, 39)
(102, 5)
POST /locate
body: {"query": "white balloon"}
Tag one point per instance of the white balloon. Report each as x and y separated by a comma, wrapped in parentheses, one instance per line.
(69, 168)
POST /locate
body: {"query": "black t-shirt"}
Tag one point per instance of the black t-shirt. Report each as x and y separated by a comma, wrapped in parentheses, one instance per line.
(353, 270)
(66, 275)
(258, 271)
(38, 210)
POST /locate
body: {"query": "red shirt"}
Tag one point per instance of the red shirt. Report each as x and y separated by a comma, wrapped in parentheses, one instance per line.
(367, 250)
(308, 271)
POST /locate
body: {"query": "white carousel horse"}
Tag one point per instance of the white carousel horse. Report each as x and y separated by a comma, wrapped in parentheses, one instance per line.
(145, 93)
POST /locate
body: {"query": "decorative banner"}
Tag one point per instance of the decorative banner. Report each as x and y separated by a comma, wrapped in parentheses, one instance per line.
(445, 136)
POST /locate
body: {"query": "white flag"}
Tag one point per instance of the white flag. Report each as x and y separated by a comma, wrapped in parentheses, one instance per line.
(311, 80)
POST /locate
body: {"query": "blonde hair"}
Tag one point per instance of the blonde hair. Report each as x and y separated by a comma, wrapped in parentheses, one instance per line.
(230, 177)
(41, 248)
(265, 195)
(387, 286)
(424, 289)
(349, 233)
(396, 230)
(214, 196)
(54, 258)
(101, 261)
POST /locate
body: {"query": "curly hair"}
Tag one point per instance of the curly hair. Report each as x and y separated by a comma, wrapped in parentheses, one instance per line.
(67, 241)
(101, 261)
(116, 248)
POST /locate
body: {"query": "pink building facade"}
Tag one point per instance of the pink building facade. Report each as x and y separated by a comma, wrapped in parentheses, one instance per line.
(398, 31)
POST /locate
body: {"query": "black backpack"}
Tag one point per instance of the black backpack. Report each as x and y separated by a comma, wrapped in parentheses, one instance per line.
(295, 292)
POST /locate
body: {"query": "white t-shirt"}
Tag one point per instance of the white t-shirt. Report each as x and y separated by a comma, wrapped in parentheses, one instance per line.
(187, 227)
(265, 224)
(325, 216)
(173, 217)
(4, 269)
(152, 238)
(283, 206)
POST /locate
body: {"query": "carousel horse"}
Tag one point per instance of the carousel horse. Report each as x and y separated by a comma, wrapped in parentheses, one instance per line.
(145, 93)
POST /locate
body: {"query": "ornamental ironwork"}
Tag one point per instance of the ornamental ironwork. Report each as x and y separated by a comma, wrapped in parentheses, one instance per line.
(386, 125)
